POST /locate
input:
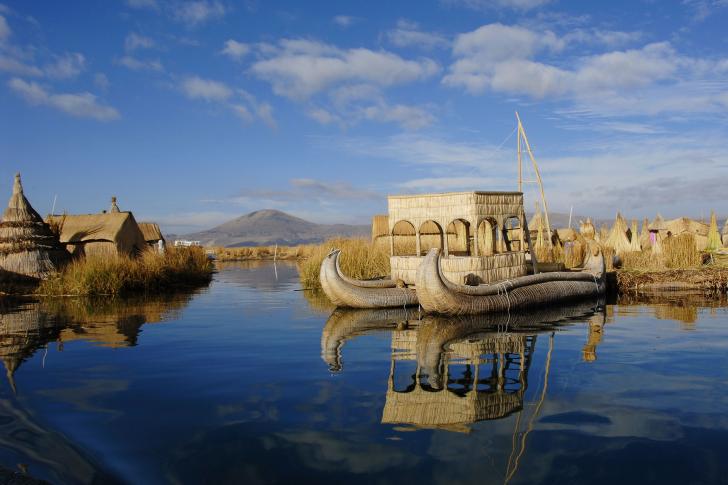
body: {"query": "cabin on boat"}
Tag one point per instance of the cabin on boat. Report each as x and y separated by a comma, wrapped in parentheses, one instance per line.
(109, 233)
(479, 234)
(476, 379)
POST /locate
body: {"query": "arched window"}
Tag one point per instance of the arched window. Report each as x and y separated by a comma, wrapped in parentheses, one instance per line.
(431, 236)
(458, 238)
(404, 242)
(487, 237)
(512, 236)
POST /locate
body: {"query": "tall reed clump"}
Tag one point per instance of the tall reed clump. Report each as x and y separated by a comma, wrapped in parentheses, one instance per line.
(360, 259)
(676, 252)
(118, 275)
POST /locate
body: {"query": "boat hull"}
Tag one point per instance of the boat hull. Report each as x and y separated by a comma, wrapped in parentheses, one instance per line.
(438, 295)
(346, 292)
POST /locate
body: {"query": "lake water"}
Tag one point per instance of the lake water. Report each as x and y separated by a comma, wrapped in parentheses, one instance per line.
(251, 381)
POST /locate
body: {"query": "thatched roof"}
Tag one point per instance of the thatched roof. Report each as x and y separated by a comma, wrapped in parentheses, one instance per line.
(151, 232)
(617, 238)
(118, 227)
(683, 225)
(27, 244)
(587, 229)
(658, 224)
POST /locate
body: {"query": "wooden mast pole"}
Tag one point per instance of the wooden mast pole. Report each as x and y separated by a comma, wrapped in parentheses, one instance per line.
(520, 158)
(522, 132)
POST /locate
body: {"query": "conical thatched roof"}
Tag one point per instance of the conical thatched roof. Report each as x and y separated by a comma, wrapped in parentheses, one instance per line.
(617, 238)
(644, 239)
(27, 244)
(714, 241)
(658, 224)
(634, 241)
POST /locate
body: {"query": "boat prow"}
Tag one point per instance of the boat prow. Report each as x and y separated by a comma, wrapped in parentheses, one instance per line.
(436, 294)
(348, 292)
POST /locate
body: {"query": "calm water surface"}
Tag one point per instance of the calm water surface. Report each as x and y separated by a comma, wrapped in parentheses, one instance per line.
(250, 381)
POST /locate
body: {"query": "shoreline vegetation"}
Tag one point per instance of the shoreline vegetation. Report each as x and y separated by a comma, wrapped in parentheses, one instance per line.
(678, 265)
(120, 275)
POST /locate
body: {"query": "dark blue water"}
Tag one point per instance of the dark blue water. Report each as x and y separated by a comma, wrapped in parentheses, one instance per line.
(249, 381)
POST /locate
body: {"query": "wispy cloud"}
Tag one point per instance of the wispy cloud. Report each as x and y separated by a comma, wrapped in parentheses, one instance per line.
(498, 4)
(197, 12)
(66, 66)
(135, 64)
(136, 41)
(409, 34)
(235, 50)
(299, 68)
(344, 20)
(82, 105)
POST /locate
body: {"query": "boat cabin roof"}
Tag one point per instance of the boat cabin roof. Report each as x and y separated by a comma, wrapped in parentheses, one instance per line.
(472, 207)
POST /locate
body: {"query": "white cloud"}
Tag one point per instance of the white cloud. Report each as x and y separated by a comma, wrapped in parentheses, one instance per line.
(243, 104)
(67, 66)
(197, 12)
(14, 66)
(197, 88)
(409, 34)
(150, 4)
(136, 41)
(506, 59)
(101, 81)
(235, 50)
(4, 29)
(343, 20)
(135, 64)
(83, 105)
(301, 68)
(496, 4)
(409, 117)
(323, 116)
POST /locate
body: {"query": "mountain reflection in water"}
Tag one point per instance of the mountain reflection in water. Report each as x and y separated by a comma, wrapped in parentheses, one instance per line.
(232, 389)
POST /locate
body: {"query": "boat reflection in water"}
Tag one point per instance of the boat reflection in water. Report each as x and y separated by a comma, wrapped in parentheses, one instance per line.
(462, 370)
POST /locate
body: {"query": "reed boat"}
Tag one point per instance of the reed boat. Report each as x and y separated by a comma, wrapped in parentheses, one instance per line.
(436, 294)
(348, 292)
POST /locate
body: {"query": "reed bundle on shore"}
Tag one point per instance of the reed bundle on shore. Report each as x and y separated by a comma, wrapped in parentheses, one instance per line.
(28, 247)
(714, 241)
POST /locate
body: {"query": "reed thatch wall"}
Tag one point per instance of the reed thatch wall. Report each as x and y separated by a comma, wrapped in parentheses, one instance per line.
(107, 233)
(28, 247)
(499, 267)
(151, 232)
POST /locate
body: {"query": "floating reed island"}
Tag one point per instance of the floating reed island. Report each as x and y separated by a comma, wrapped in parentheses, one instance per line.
(92, 254)
(657, 255)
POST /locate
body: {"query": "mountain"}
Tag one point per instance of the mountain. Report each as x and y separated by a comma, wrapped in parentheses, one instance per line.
(267, 227)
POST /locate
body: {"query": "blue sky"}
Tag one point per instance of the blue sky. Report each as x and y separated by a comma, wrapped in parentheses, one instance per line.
(194, 112)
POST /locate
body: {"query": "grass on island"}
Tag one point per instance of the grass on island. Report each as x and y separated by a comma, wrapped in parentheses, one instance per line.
(262, 253)
(118, 275)
(360, 259)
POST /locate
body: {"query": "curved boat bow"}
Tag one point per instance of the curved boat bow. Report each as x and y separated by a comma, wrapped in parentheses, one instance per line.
(347, 292)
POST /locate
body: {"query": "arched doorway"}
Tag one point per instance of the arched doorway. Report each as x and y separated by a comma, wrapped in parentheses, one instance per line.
(404, 241)
(458, 238)
(487, 237)
(431, 236)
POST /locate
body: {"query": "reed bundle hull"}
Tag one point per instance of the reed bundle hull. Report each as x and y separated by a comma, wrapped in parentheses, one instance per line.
(438, 295)
(347, 292)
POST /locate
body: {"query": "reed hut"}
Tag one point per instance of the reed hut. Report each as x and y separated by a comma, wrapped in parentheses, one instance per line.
(658, 229)
(152, 234)
(28, 247)
(684, 225)
(112, 233)
(644, 238)
(725, 233)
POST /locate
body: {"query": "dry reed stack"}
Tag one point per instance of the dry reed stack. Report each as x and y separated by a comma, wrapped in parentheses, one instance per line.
(603, 233)
(725, 233)
(634, 239)
(27, 245)
(644, 240)
(617, 238)
(714, 242)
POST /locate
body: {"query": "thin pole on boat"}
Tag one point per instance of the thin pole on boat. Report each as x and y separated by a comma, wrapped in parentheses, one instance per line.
(53, 210)
(522, 133)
